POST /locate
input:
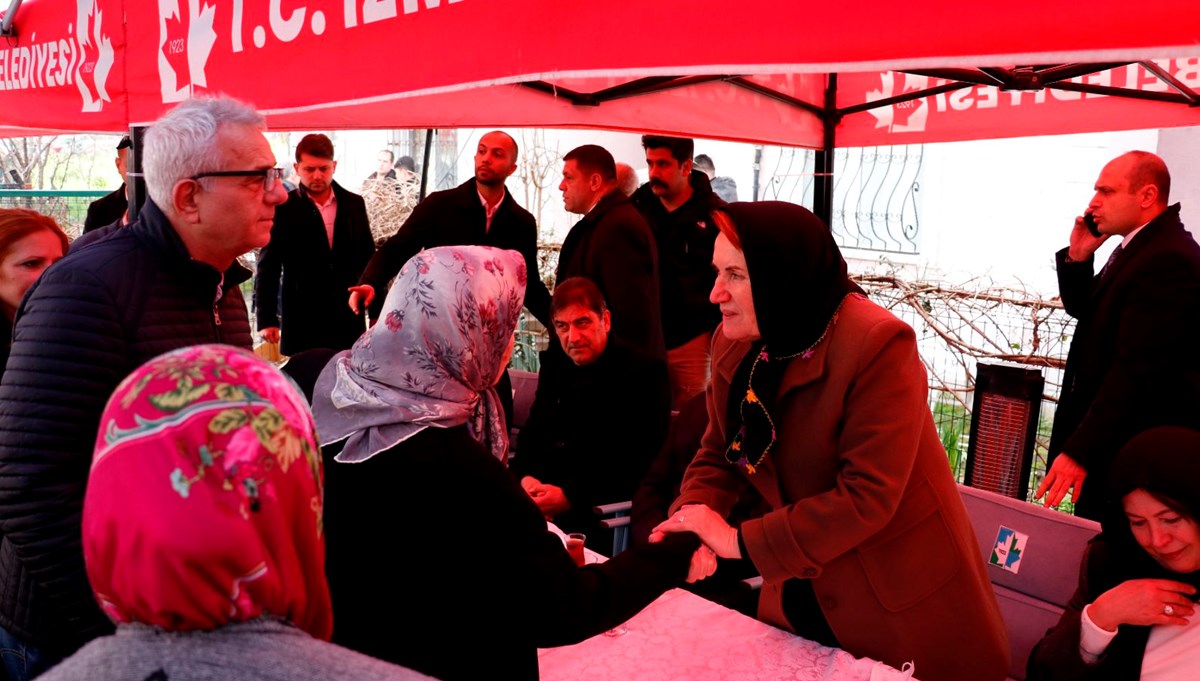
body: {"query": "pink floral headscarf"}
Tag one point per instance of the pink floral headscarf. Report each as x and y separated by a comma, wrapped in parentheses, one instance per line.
(204, 502)
(432, 360)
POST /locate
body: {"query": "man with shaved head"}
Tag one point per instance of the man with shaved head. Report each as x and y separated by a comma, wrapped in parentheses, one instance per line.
(1132, 363)
(478, 212)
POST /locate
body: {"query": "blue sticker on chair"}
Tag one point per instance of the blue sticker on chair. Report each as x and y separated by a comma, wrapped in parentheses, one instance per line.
(1008, 549)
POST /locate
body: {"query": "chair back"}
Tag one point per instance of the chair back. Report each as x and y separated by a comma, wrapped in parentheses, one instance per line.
(1042, 550)
(524, 387)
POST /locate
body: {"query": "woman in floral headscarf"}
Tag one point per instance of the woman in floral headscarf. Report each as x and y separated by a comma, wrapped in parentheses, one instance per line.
(202, 530)
(438, 559)
(818, 403)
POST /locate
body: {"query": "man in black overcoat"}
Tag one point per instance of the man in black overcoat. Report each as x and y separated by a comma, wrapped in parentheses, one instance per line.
(1133, 362)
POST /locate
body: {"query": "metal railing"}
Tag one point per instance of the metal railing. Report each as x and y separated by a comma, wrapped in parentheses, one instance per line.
(67, 207)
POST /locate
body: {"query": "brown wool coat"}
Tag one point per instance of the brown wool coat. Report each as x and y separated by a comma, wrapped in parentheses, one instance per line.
(863, 502)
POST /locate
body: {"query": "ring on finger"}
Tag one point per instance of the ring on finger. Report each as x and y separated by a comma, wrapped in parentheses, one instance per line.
(1168, 610)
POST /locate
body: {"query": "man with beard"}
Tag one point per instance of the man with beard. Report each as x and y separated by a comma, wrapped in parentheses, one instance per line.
(478, 212)
(320, 243)
(677, 203)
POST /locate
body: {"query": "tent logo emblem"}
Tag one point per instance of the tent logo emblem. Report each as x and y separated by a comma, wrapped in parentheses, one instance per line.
(95, 55)
(186, 38)
(907, 116)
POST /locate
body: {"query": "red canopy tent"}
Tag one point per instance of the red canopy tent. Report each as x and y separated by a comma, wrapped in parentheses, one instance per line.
(772, 71)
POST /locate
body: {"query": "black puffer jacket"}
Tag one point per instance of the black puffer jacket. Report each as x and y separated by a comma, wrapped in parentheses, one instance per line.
(86, 324)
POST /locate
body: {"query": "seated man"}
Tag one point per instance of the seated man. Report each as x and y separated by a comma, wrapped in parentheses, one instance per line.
(596, 422)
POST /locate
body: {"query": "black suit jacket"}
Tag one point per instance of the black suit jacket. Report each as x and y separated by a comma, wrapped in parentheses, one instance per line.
(593, 431)
(455, 217)
(1056, 657)
(106, 210)
(613, 246)
(301, 283)
(1133, 362)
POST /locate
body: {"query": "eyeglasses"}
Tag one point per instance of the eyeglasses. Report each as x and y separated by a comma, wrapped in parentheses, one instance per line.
(270, 176)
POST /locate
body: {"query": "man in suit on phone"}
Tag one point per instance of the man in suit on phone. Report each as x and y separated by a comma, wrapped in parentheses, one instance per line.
(1132, 364)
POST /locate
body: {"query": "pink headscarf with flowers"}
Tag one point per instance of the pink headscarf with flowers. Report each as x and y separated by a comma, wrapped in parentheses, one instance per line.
(204, 502)
(432, 360)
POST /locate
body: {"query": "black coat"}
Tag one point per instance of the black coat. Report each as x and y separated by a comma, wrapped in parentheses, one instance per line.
(1132, 363)
(684, 238)
(613, 246)
(301, 283)
(89, 321)
(439, 561)
(106, 210)
(593, 431)
(455, 217)
(1056, 657)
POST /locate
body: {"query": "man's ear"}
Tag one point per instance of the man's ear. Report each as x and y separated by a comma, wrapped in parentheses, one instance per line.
(606, 320)
(595, 182)
(1148, 195)
(185, 199)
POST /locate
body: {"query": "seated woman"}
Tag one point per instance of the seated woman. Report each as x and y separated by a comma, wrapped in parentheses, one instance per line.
(1133, 614)
(818, 402)
(438, 560)
(29, 243)
(202, 530)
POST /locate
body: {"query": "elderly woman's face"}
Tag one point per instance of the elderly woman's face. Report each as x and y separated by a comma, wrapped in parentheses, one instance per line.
(1170, 538)
(731, 292)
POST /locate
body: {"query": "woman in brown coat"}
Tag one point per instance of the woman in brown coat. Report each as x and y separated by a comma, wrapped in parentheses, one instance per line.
(818, 401)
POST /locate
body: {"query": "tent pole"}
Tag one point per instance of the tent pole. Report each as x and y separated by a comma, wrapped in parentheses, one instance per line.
(425, 163)
(6, 28)
(134, 177)
(758, 153)
(823, 160)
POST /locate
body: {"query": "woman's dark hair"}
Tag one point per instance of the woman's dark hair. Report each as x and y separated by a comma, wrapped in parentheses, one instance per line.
(1163, 461)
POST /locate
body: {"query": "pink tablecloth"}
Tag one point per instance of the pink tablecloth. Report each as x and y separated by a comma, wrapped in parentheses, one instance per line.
(682, 637)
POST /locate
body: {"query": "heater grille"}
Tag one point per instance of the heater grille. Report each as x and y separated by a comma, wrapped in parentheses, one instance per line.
(1003, 426)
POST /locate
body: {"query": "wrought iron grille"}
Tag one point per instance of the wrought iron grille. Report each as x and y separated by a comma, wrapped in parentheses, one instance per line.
(875, 194)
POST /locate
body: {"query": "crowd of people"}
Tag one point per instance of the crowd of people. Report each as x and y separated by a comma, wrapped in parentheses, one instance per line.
(174, 507)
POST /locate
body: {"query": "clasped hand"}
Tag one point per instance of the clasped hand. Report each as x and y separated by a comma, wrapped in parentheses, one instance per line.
(720, 540)
(551, 500)
(1143, 602)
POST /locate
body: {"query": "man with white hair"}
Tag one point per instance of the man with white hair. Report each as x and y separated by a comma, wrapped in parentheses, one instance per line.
(166, 281)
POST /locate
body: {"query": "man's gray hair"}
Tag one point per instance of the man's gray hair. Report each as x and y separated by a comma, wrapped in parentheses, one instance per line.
(183, 142)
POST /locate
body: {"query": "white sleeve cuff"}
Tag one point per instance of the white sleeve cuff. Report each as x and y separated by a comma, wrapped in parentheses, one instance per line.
(1093, 640)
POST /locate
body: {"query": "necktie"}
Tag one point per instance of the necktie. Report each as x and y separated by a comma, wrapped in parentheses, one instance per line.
(1111, 259)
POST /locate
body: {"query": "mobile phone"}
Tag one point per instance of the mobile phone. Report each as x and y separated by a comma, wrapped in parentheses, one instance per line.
(1090, 223)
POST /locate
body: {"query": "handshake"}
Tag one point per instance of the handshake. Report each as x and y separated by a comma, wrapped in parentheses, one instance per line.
(719, 539)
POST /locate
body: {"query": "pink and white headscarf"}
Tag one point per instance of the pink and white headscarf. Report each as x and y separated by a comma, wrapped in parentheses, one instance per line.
(204, 503)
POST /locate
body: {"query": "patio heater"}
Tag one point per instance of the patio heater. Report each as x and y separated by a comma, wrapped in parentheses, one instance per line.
(1004, 421)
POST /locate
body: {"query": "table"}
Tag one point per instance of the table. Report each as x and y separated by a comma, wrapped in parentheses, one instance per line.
(682, 636)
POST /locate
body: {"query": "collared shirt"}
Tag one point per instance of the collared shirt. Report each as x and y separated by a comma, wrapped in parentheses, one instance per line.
(1129, 236)
(328, 213)
(490, 210)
